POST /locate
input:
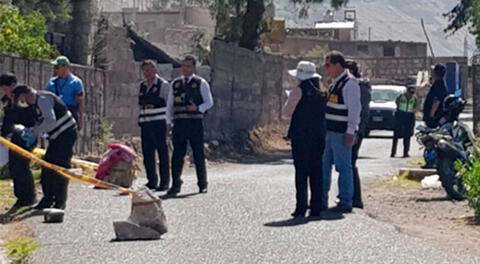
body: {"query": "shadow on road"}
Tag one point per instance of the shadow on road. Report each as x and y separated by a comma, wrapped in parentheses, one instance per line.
(181, 196)
(19, 214)
(325, 216)
(287, 222)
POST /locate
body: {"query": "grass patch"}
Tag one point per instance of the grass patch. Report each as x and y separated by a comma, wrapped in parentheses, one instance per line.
(402, 181)
(21, 250)
(417, 162)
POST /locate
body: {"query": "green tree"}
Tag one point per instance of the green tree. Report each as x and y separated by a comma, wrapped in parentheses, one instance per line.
(53, 10)
(243, 21)
(23, 35)
(465, 13)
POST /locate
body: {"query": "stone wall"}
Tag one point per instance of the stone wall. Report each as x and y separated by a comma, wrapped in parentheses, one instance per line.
(248, 91)
(124, 78)
(299, 45)
(38, 73)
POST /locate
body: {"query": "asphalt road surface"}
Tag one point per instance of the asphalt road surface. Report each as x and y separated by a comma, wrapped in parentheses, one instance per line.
(245, 218)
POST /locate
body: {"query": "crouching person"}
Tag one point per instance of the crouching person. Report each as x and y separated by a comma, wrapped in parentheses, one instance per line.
(54, 119)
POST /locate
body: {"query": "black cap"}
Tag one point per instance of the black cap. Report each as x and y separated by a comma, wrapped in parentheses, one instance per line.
(8, 79)
(22, 89)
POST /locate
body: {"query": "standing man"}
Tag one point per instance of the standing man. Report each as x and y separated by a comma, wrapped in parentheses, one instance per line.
(18, 167)
(189, 99)
(52, 117)
(153, 124)
(69, 88)
(342, 119)
(432, 107)
(306, 106)
(404, 120)
(365, 98)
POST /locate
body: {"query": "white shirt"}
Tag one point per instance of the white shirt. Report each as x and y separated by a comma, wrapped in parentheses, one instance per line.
(204, 91)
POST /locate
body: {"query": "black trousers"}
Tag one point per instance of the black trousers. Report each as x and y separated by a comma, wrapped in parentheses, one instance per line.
(357, 187)
(19, 169)
(307, 158)
(154, 139)
(188, 131)
(406, 145)
(59, 152)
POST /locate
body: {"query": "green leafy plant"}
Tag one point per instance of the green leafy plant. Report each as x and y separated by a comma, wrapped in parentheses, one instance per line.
(20, 250)
(53, 10)
(106, 136)
(24, 35)
(471, 177)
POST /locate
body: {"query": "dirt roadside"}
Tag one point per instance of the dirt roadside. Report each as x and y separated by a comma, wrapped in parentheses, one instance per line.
(425, 214)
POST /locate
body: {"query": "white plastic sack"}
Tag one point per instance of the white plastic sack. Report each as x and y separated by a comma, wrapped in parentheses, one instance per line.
(431, 182)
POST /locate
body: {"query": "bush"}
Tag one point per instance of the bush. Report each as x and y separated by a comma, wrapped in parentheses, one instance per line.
(24, 35)
(471, 177)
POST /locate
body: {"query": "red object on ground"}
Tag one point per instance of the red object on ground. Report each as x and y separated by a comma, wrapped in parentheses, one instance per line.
(116, 152)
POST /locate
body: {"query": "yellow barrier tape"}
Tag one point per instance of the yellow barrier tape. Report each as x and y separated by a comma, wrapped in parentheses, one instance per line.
(85, 165)
(60, 170)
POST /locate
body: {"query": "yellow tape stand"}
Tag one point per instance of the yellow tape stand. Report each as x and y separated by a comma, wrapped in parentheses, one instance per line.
(60, 170)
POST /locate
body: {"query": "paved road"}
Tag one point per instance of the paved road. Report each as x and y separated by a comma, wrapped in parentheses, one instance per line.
(243, 219)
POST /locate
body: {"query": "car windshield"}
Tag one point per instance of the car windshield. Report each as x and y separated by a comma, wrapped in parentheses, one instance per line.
(384, 95)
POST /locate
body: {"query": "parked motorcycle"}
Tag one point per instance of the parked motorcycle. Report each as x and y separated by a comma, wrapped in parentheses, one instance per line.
(452, 141)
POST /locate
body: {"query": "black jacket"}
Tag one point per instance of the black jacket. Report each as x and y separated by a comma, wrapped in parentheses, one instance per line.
(308, 120)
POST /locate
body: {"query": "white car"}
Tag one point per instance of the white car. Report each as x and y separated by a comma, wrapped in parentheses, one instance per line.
(383, 106)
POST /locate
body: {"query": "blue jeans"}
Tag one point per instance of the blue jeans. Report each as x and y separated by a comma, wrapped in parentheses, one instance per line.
(336, 152)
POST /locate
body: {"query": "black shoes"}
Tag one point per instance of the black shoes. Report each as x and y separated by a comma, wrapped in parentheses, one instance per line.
(162, 188)
(43, 204)
(341, 208)
(298, 214)
(203, 190)
(357, 204)
(173, 191)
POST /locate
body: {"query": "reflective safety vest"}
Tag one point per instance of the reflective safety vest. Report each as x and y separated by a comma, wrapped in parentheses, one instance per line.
(153, 107)
(184, 95)
(407, 105)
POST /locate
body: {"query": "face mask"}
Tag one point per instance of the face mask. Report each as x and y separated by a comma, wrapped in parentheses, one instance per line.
(22, 104)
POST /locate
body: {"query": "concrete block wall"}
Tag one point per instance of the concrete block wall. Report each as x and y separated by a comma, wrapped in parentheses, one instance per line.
(38, 73)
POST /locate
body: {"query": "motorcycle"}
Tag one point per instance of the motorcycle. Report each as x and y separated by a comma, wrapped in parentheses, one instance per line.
(452, 141)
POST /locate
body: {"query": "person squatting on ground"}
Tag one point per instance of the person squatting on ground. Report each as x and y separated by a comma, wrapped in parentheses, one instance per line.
(54, 118)
(432, 107)
(365, 98)
(18, 166)
(306, 106)
(188, 100)
(69, 88)
(153, 120)
(404, 120)
(342, 120)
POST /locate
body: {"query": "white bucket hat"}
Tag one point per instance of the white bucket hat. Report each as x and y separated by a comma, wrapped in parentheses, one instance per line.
(304, 71)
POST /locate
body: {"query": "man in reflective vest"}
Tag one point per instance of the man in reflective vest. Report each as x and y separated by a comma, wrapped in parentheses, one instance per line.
(53, 118)
(153, 124)
(404, 120)
(189, 99)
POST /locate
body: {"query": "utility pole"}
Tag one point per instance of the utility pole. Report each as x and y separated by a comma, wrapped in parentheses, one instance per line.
(428, 40)
(369, 33)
